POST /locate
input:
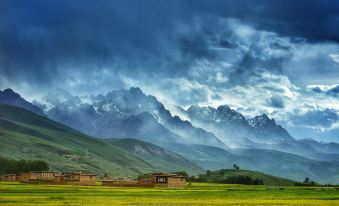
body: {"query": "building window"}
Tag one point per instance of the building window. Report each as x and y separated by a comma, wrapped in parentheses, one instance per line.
(161, 179)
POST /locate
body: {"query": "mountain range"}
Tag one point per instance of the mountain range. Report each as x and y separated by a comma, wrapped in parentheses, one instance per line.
(124, 113)
(26, 135)
(210, 138)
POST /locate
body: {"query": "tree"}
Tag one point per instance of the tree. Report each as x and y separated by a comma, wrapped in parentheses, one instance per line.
(236, 167)
(307, 180)
(9, 166)
(208, 172)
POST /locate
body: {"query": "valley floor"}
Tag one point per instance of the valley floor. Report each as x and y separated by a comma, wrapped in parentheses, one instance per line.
(16, 194)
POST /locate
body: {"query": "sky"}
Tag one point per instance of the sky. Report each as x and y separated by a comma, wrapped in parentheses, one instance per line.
(279, 57)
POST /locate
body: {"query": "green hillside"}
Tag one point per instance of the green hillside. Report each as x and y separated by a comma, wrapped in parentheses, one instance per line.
(25, 135)
(222, 176)
(157, 156)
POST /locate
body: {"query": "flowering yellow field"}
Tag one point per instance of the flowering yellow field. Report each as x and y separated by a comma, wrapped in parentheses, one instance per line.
(15, 194)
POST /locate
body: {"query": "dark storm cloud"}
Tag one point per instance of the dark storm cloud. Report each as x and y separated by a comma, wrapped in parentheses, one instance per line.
(42, 40)
(316, 118)
(317, 90)
(40, 35)
(276, 102)
(332, 91)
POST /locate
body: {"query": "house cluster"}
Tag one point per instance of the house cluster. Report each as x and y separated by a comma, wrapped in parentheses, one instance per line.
(157, 180)
(73, 178)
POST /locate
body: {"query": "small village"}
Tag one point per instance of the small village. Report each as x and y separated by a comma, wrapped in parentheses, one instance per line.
(151, 180)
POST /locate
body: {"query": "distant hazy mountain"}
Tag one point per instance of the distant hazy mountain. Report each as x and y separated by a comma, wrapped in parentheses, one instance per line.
(272, 162)
(230, 126)
(329, 148)
(233, 128)
(124, 113)
(8, 96)
(266, 130)
(259, 132)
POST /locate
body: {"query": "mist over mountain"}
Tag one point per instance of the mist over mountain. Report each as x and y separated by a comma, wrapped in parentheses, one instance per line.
(26, 135)
(132, 114)
(259, 132)
(233, 128)
(212, 138)
(124, 113)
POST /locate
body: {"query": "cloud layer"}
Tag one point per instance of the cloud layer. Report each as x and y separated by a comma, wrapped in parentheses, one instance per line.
(276, 57)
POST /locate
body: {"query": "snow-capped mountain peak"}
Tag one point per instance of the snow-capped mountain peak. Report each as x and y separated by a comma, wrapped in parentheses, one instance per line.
(203, 113)
(121, 113)
(225, 113)
(261, 120)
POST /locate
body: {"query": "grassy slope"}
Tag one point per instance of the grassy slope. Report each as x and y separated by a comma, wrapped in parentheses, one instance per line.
(25, 135)
(199, 194)
(289, 165)
(225, 173)
(268, 161)
(158, 156)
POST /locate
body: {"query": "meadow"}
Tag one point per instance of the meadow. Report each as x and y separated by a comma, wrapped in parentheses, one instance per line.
(16, 194)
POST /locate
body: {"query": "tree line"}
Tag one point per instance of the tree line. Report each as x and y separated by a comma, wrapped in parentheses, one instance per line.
(245, 180)
(10, 166)
(306, 182)
(218, 177)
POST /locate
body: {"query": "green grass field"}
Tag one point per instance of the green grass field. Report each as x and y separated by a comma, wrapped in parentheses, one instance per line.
(15, 194)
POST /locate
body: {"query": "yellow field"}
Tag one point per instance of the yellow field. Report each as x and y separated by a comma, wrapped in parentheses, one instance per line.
(15, 194)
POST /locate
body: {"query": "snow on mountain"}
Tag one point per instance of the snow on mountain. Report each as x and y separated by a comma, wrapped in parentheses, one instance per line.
(203, 113)
(260, 121)
(226, 114)
(107, 115)
(266, 130)
(132, 114)
(233, 128)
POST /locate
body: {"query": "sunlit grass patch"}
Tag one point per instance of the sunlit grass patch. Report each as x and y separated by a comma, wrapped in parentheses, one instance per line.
(15, 194)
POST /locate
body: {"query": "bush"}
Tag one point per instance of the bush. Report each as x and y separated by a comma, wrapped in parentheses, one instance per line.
(245, 180)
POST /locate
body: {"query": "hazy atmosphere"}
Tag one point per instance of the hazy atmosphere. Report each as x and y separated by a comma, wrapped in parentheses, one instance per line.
(169, 102)
(277, 57)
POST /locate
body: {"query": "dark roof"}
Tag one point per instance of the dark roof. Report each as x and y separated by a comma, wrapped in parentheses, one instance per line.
(165, 175)
(78, 173)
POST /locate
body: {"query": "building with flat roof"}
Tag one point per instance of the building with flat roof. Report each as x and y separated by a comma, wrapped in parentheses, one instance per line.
(78, 178)
(157, 180)
(9, 178)
(72, 178)
(166, 180)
